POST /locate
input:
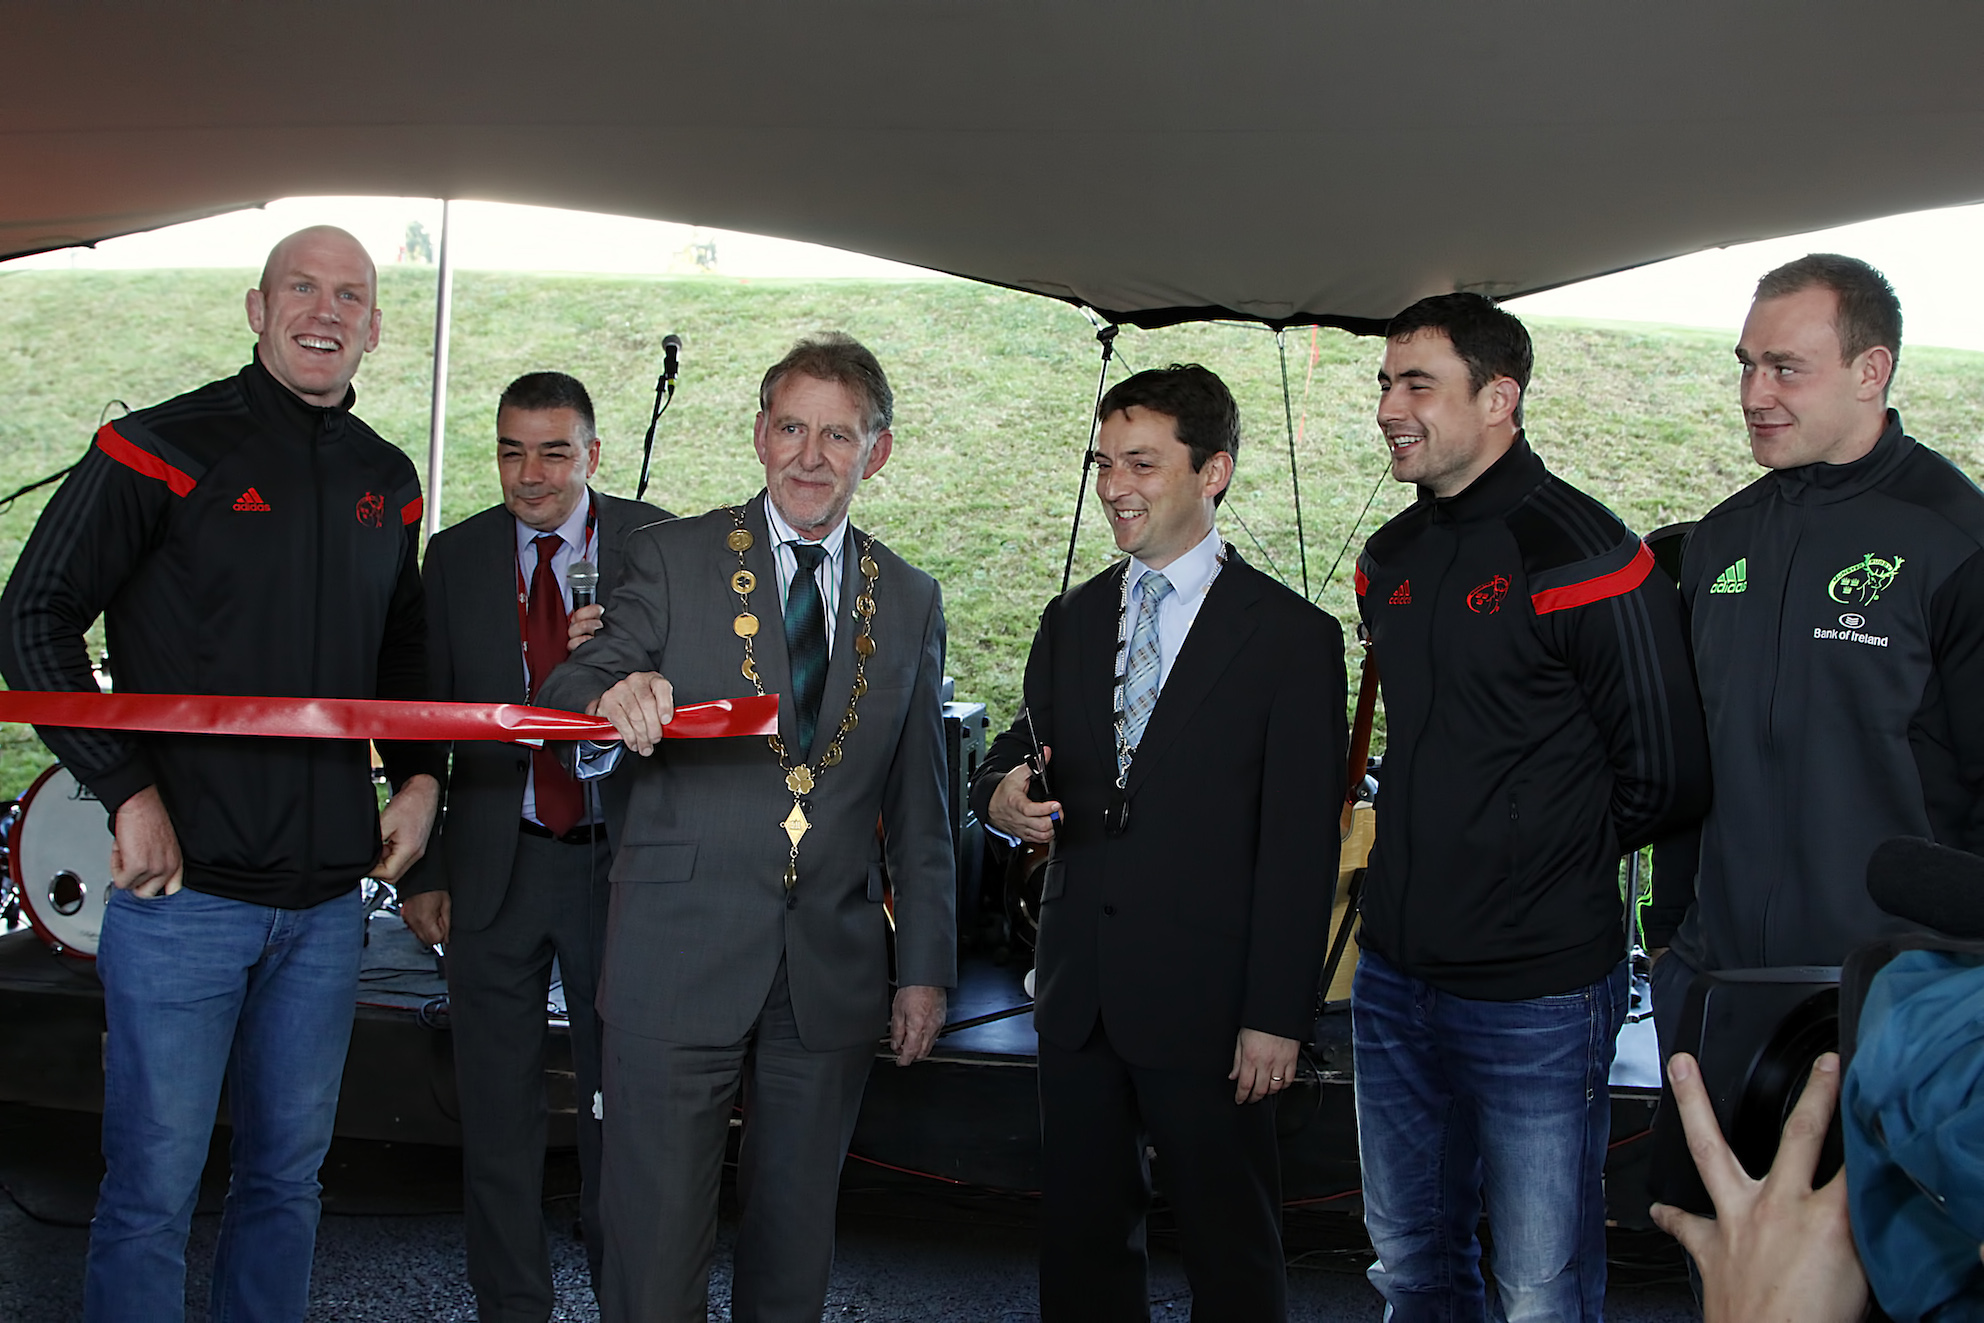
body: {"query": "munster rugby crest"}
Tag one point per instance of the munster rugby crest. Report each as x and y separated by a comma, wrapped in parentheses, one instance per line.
(1863, 582)
(1486, 599)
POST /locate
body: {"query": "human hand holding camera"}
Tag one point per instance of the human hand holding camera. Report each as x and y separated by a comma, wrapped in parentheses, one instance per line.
(1776, 1249)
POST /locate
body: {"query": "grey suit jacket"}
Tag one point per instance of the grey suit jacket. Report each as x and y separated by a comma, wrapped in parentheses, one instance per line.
(473, 656)
(700, 915)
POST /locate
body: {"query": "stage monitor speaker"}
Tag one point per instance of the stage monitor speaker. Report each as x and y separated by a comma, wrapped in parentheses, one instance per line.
(965, 734)
(1756, 1033)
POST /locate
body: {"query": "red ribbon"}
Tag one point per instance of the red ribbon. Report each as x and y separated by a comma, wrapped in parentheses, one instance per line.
(368, 718)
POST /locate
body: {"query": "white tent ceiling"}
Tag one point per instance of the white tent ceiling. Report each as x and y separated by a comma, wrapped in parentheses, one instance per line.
(1286, 160)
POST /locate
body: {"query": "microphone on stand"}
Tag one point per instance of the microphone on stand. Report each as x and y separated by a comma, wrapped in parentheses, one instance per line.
(664, 395)
(671, 350)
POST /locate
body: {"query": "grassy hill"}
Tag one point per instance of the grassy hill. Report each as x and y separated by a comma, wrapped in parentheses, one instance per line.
(993, 391)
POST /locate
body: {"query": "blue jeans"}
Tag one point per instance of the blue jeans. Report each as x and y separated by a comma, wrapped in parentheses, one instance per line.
(1462, 1101)
(196, 988)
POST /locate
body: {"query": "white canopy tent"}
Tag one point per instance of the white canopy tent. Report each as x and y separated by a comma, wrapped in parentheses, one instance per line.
(1288, 161)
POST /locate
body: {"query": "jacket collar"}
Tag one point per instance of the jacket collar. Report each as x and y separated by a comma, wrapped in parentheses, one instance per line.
(1823, 484)
(1496, 491)
(272, 399)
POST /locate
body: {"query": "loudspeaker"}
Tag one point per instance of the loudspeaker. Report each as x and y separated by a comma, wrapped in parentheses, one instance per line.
(965, 733)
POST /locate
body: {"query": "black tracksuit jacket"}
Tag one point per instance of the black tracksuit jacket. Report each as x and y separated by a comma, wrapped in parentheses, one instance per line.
(1540, 720)
(1838, 620)
(236, 540)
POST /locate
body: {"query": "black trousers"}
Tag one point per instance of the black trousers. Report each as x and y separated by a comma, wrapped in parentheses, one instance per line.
(499, 979)
(1222, 1175)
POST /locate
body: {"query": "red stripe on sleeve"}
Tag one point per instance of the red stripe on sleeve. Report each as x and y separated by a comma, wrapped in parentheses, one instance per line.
(141, 461)
(1616, 584)
(1363, 581)
(411, 511)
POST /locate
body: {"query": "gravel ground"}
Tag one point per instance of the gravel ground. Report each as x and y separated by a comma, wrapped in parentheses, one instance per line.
(396, 1252)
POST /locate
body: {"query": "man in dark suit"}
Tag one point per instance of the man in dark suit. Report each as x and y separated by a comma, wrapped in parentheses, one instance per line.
(1193, 713)
(517, 872)
(747, 944)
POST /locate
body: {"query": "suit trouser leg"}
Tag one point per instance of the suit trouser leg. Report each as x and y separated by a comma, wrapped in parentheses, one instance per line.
(800, 1107)
(1095, 1187)
(498, 980)
(579, 936)
(667, 1119)
(1219, 1165)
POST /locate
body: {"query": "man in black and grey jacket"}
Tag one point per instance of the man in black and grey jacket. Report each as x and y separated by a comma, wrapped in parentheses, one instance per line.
(251, 537)
(1837, 607)
(1541, 721)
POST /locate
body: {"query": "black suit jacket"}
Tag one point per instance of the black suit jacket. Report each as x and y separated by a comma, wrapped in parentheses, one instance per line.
(473, 656)
(1211, 912)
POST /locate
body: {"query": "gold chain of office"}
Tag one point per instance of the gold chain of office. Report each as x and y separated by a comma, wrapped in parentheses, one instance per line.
(800, 778)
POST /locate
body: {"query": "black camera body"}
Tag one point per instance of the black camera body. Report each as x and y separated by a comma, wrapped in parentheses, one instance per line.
(1756, 1033)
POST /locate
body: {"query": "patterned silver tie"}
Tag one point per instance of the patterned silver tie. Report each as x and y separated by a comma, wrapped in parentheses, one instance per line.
(1141, 674)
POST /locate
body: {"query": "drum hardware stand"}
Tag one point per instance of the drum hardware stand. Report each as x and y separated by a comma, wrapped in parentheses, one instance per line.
(1352, 898)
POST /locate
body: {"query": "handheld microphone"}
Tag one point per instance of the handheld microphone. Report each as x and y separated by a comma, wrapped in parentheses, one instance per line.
(671, 351)
(1933, 885)
(582, 577)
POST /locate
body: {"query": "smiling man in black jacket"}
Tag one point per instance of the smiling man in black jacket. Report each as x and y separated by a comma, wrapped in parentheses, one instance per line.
(251, 537)
(1541, 720)
(1837, 607)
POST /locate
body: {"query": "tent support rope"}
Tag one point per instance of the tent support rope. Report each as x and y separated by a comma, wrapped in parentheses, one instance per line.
(1294, 475)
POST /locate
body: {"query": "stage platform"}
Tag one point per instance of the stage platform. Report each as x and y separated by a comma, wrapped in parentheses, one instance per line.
(967, 1117)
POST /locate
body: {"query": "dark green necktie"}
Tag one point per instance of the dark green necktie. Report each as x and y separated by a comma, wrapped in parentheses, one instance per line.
(806, 640)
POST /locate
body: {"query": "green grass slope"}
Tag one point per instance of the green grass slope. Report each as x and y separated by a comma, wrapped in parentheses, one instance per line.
(993, 391)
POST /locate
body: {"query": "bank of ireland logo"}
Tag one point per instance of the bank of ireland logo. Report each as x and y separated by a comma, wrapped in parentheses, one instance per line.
(1486, 599)
(1863, 582)
(1852, 620)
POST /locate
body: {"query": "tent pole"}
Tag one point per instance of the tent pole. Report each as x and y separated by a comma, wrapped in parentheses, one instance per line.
(437, 415)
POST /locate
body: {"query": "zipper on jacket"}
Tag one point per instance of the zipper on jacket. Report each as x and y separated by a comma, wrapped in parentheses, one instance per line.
(308, 862)
(1404, 798)
(1775, 763)
(1515, 839)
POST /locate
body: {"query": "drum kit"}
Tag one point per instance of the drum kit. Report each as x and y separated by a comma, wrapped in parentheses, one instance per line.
(58, 862)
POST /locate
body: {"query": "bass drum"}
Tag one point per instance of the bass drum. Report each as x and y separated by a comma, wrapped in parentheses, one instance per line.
(58, 859)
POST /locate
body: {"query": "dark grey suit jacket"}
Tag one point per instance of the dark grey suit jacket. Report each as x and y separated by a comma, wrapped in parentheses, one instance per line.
(700, 916)
(473, 656)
